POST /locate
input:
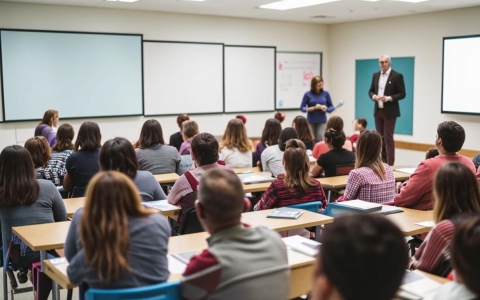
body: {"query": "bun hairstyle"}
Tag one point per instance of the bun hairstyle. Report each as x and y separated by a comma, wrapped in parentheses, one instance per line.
(297, 166)
(280, 116)
(335, 138)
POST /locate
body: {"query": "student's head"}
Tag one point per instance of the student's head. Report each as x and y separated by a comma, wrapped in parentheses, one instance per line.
(65, 136)
(279, 116)
(204, 149)
(189, 129)
(300, 124)
(335, 138)
(316, 85)
(464, 253)
(456, 192)
(335, 122)
(236, 136)
(18, 180)
(111, 198)
(182, 118)
(220, 199)
(360, 124)
(39, 150)
(297, 166)
(151, 134)
(450, 137)
(50, 117)
(363, 256)
(271, 132)
(89, 137)
(286, 134)
(369, 148)
(118, 155)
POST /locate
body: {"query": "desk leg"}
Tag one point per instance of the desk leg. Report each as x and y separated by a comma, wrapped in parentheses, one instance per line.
(5, 285)
(318, 233)
(329, 196)
(55, 292)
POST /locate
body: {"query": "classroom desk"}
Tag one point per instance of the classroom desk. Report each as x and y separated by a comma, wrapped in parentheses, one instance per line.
(166, 178)
(307, 219)
(251, 169)
(301, 268)
(406, 220)
(73, 204)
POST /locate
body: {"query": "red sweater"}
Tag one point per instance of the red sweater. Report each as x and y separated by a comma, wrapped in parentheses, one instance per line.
(417, 192)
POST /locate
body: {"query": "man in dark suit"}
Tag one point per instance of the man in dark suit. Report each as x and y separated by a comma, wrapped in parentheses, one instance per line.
(386, 90)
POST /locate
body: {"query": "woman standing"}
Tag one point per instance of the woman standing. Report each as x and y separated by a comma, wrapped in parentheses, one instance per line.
(316, 103)
(46, 128)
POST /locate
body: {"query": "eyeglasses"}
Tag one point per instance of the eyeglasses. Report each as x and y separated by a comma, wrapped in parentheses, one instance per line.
(383, 62)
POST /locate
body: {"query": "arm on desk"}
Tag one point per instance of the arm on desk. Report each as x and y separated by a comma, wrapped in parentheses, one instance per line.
(268, 200)
(419, 183)
(354, 183)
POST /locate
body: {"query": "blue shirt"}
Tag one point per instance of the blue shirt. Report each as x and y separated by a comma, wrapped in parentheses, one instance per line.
(310, 99)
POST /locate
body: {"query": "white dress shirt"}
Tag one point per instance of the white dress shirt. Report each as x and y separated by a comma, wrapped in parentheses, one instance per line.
(382, 82)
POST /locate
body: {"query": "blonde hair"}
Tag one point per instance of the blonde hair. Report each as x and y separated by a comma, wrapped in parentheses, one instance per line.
(236, 136)
(369, 148)
(297, 166)
(111, 198)
(455, 190)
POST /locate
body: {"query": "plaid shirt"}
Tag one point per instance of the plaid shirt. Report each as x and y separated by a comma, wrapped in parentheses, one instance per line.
(56, 166)
(364, 184)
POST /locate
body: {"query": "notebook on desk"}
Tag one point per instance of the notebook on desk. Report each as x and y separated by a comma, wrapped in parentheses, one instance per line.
(302, 245)
(406, 170)
(337, 209)
(416, 285)
(285, 213)
(162, 205)
(256, 177)
(360, 205)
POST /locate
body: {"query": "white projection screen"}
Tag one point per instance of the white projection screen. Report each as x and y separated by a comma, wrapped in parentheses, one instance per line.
(183, 77)
(461, 62)
(79, 74)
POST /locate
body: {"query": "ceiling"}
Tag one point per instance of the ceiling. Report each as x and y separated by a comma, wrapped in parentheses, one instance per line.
(329, 13)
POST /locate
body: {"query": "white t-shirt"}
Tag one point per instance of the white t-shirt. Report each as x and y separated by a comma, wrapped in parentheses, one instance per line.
(272, 160)
(236, 159)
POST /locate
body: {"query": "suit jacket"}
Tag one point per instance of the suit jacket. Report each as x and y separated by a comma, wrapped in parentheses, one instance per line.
(395, 88)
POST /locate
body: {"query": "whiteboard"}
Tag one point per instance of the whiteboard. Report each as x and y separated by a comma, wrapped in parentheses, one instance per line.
(182, 77)
(249, 79)
(295, 71)
(79, 74)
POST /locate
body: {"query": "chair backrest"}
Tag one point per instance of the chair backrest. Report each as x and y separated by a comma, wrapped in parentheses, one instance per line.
(78, 192)
(160, 291)
(146, 196)
(190, 223)
(343, 169)
(310, 206)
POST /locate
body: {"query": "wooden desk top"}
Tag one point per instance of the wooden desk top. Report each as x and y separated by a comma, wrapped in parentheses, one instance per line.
(256, 187)
(166, 178)
(406, 220)
(307, 219)
(241, 170)
(73, 204)
(340, 182)
(43, 236)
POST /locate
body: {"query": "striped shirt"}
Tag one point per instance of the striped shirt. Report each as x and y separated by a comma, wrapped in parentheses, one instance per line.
(278, 196)
(364, 184)
(56, 165)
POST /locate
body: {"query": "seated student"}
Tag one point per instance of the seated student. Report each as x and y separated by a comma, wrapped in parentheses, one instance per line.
(60, 152)
(363, 256)
(456, 194)
(416, 193)
(236, 148)
(337, 156)
(465, 260)
(334, 122)
(270, 135)
(295, 186)
(272, 157)
(152, 153)
(176, 139)
(46, 127)
(26, 200)
(360, 125)
(300, 124)
(371, 180)
(129, 254)
(40, 151)
(205, 154)
(118, 155)
(241, 262)
(82, 164)
(189, 130)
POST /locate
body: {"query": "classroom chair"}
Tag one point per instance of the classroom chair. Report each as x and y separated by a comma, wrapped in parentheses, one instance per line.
(310, 206)
(160, 291)
(11, 258)
(343, 169)
(190, 223)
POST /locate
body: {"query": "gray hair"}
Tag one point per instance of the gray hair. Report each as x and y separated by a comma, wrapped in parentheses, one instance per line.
(387, 58)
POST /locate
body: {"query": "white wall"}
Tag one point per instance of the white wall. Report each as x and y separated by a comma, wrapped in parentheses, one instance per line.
(286, 36)
(420, 36)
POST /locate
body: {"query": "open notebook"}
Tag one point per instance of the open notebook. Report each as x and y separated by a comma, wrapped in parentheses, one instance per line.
(162, 205)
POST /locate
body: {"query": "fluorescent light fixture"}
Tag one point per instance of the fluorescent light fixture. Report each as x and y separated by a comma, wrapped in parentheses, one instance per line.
(128, 1)
(291, 4)
(411, 1)
(191, 0)
(371, 0)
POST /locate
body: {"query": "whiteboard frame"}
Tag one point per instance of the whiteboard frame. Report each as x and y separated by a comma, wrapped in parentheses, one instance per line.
(295, 52)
